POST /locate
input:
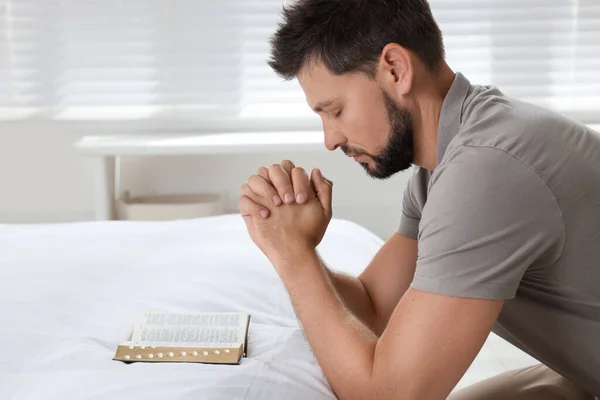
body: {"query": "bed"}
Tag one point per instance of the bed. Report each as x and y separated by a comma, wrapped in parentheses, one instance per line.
(71, 292)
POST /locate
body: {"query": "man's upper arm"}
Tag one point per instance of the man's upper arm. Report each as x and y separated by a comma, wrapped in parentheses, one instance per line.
(429, 343)
(389, 275)
(489, 219)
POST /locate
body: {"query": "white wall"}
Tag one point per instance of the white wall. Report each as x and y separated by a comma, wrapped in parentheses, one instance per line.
(42, 179)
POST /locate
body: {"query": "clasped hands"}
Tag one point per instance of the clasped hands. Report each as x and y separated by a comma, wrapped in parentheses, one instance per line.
(286, 212)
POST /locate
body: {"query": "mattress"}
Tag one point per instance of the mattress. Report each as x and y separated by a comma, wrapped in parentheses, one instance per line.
(70, 293)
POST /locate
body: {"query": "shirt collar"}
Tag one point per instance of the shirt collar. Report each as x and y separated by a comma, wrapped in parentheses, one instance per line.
(451, 114)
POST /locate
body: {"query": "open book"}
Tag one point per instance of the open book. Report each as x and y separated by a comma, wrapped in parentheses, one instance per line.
(219, 338)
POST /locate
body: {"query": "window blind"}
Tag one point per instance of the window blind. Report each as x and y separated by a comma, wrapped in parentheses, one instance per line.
(204, 62)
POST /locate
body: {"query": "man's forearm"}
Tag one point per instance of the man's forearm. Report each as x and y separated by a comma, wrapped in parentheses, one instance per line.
(356, 298)
(344, 346)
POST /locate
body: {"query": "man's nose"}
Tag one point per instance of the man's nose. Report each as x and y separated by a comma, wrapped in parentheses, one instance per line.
(334, 138)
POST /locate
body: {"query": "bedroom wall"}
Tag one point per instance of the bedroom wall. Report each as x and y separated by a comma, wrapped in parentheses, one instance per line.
(42, 179)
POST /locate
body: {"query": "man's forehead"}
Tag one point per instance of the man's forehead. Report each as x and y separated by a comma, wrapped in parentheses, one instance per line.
(313, 80)
(320, 86)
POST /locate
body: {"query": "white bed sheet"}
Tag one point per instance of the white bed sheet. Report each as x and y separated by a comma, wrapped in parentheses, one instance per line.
(69, 293)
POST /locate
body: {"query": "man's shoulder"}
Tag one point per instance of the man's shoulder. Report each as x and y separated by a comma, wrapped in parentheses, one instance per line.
(528, 133)
(491, 119)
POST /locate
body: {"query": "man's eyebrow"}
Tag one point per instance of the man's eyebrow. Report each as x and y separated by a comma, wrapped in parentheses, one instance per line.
(324, 104)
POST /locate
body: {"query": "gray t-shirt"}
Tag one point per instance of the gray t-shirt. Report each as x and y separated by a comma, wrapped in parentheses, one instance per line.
(512, 212)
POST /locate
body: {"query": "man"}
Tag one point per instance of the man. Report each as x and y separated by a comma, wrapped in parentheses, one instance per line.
(500, 226)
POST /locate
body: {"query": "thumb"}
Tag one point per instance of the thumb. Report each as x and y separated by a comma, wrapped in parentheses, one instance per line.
(323, 189)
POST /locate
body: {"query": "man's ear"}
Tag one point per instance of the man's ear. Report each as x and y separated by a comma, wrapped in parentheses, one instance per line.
(396, 69)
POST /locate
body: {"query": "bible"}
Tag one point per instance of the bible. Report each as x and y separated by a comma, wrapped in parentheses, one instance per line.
(214, 338)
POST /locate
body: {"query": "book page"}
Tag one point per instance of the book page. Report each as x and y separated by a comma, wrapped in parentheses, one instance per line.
(202, 330)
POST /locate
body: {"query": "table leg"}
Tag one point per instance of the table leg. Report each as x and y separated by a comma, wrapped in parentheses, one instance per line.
(105, 187)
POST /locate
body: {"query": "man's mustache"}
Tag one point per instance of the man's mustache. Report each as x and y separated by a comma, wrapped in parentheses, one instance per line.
(353, 153)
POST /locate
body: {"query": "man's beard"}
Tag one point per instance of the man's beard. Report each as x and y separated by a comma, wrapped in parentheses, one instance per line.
(398, 154)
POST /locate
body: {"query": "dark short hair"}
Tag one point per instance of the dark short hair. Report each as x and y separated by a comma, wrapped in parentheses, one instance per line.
(349, 35)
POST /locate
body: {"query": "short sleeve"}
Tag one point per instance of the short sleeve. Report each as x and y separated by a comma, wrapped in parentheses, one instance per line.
(488, 219)
(415, 196)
